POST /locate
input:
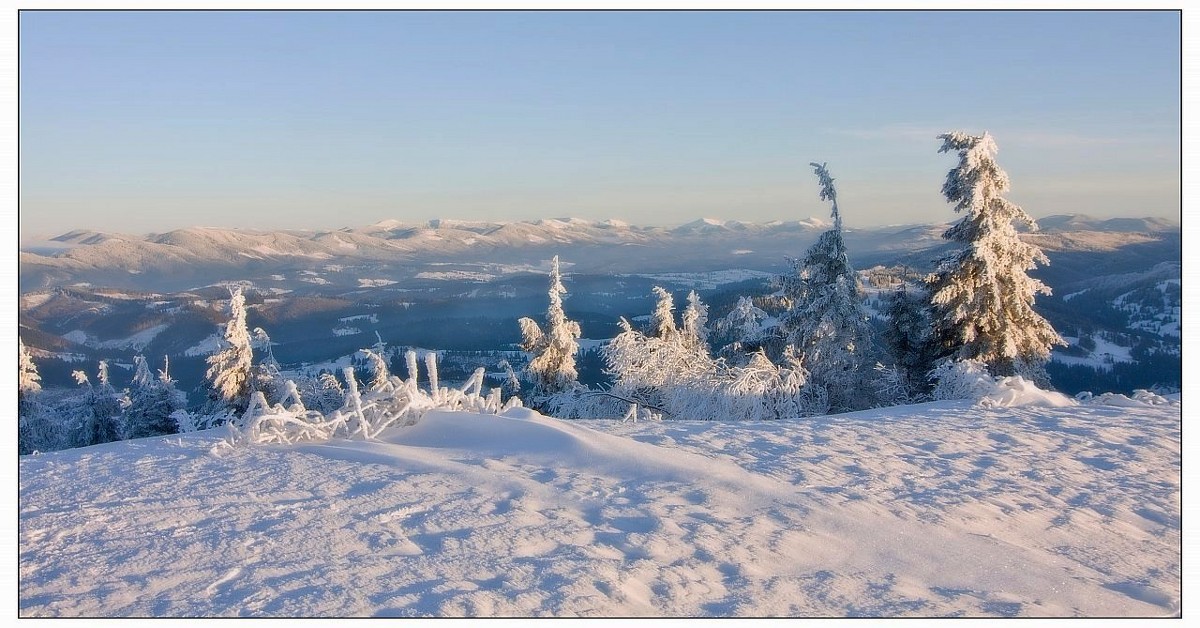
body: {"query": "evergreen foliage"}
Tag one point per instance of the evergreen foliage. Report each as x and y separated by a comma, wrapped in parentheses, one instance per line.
(35, 431)
(230, 372)
(742, 331)
(153, 402)
(826, 321)
(551, 367)
(906, 338)
(28, 382)
(99, 417)
(982, 297)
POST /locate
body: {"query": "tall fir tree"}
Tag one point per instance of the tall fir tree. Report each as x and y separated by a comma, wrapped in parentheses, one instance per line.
(981, 296)
(826, 321)
(230, 371)
(551, 367)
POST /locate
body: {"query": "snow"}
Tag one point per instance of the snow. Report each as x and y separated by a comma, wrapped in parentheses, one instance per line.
(208, 346)
(708, 280)
(1102, 357)
(455, 275)
(1016, 391)
(940, 509)
(34, 299)
(346, 331)
(135, 342)
(375, 283)
(374, 318)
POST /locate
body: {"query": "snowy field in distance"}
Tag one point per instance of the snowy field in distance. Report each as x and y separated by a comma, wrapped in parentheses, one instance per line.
(941, 509)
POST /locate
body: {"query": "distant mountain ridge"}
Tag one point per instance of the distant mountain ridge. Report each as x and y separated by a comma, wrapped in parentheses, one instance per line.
(101, 258)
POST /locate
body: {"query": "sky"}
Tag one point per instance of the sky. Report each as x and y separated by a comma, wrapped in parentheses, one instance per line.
(145, 121)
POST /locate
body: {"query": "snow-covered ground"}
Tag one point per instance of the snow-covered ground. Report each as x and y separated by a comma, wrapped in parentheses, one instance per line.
(941, 509)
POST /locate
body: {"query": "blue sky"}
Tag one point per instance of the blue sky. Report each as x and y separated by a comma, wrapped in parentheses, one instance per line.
(147, 121)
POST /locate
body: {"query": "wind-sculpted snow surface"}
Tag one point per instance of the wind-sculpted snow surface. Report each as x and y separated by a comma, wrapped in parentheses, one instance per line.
(942, 509)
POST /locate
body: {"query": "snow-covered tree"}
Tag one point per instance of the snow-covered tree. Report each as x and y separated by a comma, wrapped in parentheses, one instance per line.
(230, 371)
(673, 374)
(36, 429)
(153, 402)
(906, 337)
(695, 324)
(982, 297)
(99, 420)
(742, 331)
(29, 382)
(826, 320)
(662, 319)
(551, 367)
(654, 366)
(266, 376)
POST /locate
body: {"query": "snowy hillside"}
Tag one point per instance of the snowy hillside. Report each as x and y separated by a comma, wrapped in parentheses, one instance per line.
(942, 509)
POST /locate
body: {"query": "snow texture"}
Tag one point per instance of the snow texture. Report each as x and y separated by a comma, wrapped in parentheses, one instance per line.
(940, 509)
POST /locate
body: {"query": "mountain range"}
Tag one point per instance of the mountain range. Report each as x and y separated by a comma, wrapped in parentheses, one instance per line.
(200, 255)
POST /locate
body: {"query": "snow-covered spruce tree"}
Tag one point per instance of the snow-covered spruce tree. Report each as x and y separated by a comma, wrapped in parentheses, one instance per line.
(551, 367)
(741, 332)
(36, 431)
(266, 376)
(28, 382)
(981, 296)
(230, 370)
(906, 337)
(826, 321)
(695, 325)
(100, 411)
(152, 402)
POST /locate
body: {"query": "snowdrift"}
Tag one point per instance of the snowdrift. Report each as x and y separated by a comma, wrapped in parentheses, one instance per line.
(941, 509)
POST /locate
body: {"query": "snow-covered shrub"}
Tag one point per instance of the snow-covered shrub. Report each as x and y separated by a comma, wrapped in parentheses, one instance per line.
(323, 393)
(651, 367)
(386, 402)
(961, 379)
(28, 382)
(969, 379)
(1017, 391)
(185, 421)
(893, 385)
(669, 371)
